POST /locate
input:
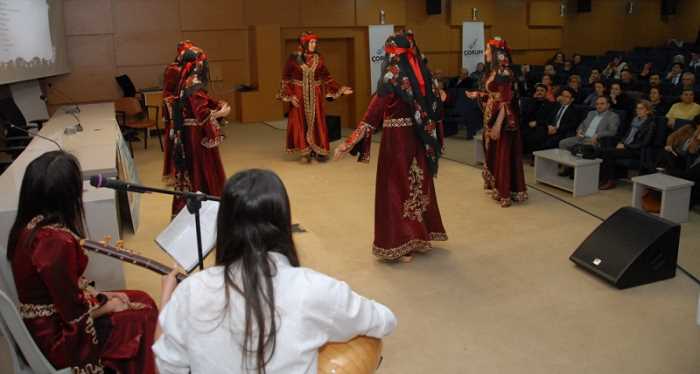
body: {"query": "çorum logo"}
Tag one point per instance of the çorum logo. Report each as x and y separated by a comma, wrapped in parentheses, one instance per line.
(378, 55)
(470, 51)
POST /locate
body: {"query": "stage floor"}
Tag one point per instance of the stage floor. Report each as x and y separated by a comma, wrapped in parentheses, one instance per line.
(501, 296)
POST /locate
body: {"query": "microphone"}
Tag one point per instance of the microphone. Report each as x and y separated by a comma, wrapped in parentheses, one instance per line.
(100, 181)
(75, 108)
(34, 135)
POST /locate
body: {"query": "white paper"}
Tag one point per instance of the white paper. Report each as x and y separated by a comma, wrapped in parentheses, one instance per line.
(179, 239)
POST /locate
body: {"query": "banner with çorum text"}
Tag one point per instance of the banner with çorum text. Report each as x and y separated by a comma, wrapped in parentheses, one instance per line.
(377, 36)
(472, 44)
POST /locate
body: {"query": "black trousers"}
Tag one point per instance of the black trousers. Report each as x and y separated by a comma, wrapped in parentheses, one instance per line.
(537, 139)
(610, 156)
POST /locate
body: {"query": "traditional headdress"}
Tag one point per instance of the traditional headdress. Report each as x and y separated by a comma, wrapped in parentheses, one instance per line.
(305, 38)
(407, 76)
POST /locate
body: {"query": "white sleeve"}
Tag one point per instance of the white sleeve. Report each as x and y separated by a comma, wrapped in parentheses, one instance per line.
(171, 348)
(341, 314)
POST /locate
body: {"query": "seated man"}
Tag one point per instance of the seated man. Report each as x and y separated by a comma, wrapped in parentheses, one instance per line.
(560, 124)
(686, 109)
(599, 123)
(534, 124)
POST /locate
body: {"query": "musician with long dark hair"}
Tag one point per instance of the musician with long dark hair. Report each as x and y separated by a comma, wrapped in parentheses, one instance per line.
(257, 310)
(73, 325)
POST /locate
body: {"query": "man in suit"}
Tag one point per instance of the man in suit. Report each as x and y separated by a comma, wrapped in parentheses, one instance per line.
(462, 81)
(599, 123)
(560, 122)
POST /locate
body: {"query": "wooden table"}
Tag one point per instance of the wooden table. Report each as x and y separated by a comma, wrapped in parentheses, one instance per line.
(586, 172)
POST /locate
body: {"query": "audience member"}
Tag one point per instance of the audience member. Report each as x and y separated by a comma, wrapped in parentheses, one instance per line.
(619, 99)
(599, 90)
(547, 80)
(462, 81)
(595, 76)
(614, 68)
(686, 109)
(561, 123)
(680, 156)
(557, 60)
(647, 71)
(639, 136)
(694, 60)
(575, 84)
(628, 82)
(674, 76)
(534, 124)
(658, 105)
(599, 123)
(478, 74)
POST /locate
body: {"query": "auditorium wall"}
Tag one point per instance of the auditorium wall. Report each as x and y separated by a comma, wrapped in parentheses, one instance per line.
(138, 37)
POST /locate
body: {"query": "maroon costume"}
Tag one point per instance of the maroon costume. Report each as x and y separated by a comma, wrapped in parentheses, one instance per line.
(406, 213)
(196, 132)
(306, 81)
(55, 303)
(503, 165)
(171, 78)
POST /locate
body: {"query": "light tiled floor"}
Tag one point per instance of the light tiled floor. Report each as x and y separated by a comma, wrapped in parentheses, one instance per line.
(500, 296)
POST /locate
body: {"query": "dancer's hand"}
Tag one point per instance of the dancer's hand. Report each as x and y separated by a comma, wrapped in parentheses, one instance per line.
(117, 295)
(295, 101)
(340, 152)
(348, 91)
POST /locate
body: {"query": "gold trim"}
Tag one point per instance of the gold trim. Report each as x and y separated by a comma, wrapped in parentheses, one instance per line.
(30, 311)
(397, 122)
(417, 202)
(408, 247)
(89, 369)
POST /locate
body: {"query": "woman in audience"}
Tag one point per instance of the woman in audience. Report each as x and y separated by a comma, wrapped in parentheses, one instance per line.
(599, 90)
(73, 325)
(658, 105)
(548, 81)
(618, 98)
(257, 310)
(478, 74)
(575, 85)
(640, 135)
(557, 60)
(576, 62)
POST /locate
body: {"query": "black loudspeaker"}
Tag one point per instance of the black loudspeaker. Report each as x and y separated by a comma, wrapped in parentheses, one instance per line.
(584, 6)
(433, 6)
(333, 125)
(631, 248)
(669, 7)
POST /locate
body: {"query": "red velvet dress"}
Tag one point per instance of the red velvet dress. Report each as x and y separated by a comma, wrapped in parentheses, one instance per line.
(171, 77)
(406, 213)
(55, 306)
(205, 171)
(309, 83)
(503, 165)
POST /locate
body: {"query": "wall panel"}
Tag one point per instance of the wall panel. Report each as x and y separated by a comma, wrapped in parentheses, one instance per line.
(211, 15)
(331, 13)
(367, 11)
(84, 17)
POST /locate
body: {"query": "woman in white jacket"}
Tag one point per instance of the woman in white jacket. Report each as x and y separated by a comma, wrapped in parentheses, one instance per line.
(221, 320)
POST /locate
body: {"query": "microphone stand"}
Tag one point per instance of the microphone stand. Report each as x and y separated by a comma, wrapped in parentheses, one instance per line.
(13, 126)
(194, 203)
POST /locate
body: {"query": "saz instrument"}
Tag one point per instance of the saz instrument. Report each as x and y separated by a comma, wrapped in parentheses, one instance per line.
(361, 355)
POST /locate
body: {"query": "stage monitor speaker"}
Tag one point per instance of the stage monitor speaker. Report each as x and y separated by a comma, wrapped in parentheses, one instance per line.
(584, 6)
(333, 126)
(631, 248)
(433, 7)
(669, 7)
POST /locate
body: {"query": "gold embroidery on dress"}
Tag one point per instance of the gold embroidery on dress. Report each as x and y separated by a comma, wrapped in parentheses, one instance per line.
(89, 369)
(29, 311)
(417, 201)
(397, 122)
(309, 93)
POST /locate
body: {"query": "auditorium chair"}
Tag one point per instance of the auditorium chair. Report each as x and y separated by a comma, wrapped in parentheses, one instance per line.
(130, 115)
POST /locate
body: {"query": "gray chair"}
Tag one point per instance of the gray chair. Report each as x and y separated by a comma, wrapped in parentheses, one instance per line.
(25, 356)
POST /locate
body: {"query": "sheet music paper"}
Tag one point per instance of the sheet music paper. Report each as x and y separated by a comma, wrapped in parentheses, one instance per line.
(179, 239)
